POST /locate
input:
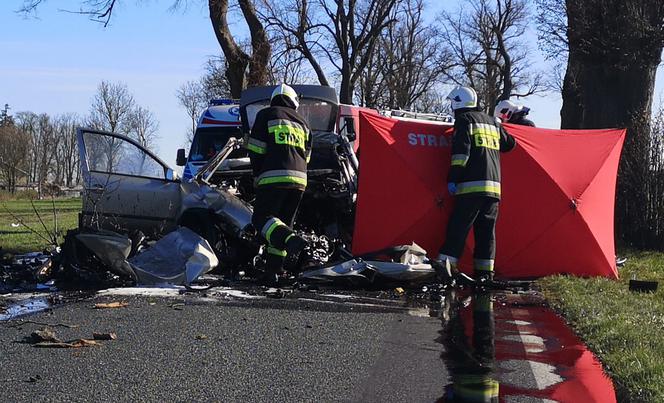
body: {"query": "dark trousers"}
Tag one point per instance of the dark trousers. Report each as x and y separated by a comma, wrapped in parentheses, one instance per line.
(274, 215)
(479, 213)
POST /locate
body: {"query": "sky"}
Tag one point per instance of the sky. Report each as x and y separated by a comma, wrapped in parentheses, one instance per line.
(52, 62)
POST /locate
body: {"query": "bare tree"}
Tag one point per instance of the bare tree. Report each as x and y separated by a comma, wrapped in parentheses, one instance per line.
(238, 60)
(410, 59)
(214, 82)
(142, 126)
(287, 65)
(42, 145)
(98, 10)
(67, 156)
(191, 99)
(486, 41)
(613, 49)
(295, 24)
(5, 117)
(111, 107)
(344, 32)
(14, 147)
(110, 111)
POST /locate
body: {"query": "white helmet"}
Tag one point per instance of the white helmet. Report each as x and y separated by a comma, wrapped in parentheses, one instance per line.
(463, 97)
(288, 91)
(505, 109)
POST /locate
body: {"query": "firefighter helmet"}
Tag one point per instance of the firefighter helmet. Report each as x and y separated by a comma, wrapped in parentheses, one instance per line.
(463, 97)
(505, 109)
(287, 91)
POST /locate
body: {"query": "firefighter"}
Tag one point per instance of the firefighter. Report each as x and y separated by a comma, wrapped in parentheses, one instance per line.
(509, 112)
(474, 180)
(279, 148)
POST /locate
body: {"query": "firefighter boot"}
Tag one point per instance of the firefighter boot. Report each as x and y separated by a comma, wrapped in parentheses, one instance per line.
(483, 277)
(274, 270)
(443, 268)
(483, 271)
(295, 245)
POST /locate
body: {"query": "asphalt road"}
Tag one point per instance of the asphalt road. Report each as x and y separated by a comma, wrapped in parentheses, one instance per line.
(258, 351)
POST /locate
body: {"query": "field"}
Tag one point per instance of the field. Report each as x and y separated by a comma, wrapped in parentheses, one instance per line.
(30, 235)
(624, 328)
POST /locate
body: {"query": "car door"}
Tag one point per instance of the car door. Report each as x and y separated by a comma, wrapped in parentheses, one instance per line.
(126, 187)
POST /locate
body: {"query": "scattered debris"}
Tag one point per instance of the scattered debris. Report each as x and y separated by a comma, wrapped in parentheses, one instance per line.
(111, 305)
(33, 379)
(78, 343)
(104, 336)
(178, 258)
(406, 263)
(24, 307)
(45, 335)
(46, 338)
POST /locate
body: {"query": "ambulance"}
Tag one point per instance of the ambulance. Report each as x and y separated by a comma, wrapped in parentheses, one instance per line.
(217, 123)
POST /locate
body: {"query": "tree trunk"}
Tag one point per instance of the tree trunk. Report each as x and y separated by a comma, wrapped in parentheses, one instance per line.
(571, 113)
(346, 89)
(259, 73)
(237, 60)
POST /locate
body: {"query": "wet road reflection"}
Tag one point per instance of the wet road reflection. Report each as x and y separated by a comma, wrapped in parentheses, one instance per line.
(503, 348)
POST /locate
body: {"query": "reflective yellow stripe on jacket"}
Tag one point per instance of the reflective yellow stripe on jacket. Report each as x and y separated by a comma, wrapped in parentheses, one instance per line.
(478, 187)
(282, 176)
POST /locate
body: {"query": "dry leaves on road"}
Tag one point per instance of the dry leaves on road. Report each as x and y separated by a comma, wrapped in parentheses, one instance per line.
(109, 305)
(78, 343)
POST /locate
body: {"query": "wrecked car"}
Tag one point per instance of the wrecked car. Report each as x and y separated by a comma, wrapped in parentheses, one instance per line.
(128, 188)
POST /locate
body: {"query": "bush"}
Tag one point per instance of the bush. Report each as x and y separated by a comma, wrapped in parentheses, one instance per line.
(640, 203)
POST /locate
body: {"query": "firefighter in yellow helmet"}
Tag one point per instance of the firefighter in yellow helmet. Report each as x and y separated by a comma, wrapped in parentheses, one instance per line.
(279, 148)
(474, 180)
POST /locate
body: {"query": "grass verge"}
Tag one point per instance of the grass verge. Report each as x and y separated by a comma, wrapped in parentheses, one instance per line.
(20, 239)
(624, 328)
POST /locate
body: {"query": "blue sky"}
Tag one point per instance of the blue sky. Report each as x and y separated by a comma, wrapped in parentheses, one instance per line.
(53, 63)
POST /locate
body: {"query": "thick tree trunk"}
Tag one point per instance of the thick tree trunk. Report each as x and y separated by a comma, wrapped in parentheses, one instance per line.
(597, 96)
(571, 113)
(236, 60)
(614, 50)
(260, 45)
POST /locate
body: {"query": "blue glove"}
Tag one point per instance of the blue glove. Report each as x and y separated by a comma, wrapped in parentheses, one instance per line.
(451, 187)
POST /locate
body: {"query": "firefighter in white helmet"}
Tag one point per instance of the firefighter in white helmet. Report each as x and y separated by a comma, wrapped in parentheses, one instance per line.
(279, 148)
(509, 112)
(474, 180)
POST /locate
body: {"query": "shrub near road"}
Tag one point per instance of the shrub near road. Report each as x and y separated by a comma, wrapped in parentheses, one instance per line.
(624, 328)
(19, 239)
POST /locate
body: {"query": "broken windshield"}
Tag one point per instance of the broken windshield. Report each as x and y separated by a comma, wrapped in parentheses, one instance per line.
(209, 140)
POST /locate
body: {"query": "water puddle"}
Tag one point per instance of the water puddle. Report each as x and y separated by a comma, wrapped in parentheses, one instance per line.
(25, 307)
(500, 347)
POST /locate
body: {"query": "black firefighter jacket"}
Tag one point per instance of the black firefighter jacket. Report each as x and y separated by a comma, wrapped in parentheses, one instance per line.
(476, 146)
(280, 146)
